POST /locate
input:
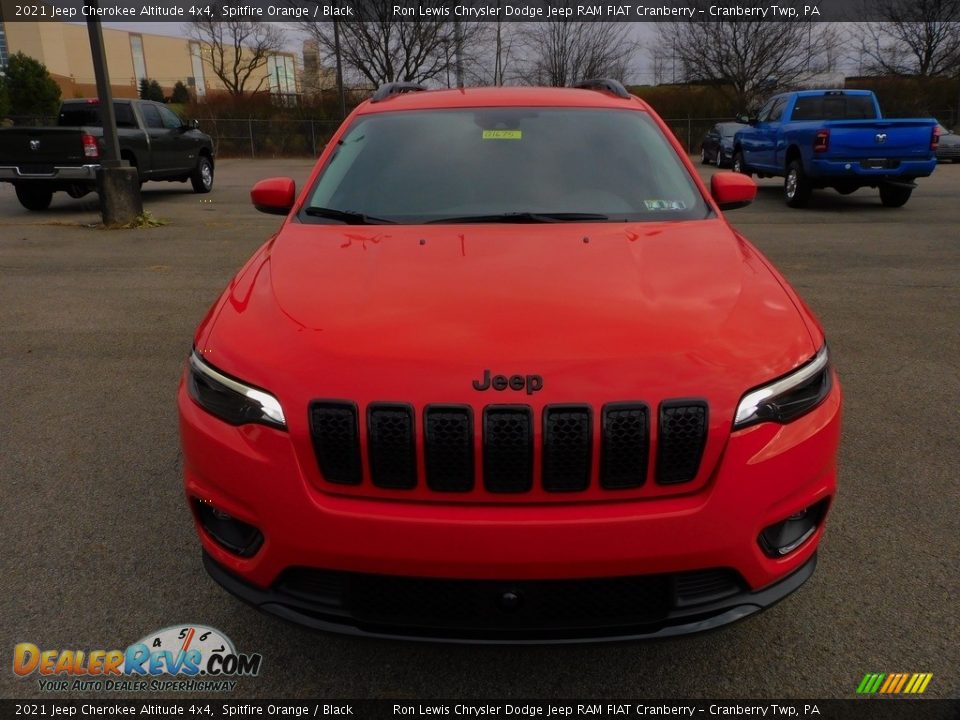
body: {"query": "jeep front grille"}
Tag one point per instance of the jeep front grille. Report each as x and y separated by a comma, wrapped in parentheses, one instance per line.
(448, 448)
(567, 445)
(682, 437)
(509, 449)
(393, 450)
(626, 445)
(336, 441)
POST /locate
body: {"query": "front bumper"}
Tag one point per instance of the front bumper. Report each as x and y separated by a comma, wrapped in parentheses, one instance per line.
(12, 173)
(495, 624)
(766, 473)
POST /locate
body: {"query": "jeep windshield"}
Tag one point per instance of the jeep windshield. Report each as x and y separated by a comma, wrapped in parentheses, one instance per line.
(503, 164)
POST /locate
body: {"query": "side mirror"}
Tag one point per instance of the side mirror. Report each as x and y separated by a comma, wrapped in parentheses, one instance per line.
(274, 195)
(743, 118)
(732, 190)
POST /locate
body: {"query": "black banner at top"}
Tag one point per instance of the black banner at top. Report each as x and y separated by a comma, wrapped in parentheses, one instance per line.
(281, 11)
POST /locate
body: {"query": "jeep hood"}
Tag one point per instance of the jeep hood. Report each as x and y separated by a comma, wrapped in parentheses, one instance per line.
(603, 312)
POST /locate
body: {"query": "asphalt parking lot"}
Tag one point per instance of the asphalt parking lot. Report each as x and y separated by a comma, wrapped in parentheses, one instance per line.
(99, 549)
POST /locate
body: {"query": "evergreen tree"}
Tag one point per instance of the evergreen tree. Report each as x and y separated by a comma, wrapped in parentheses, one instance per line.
(151, 90)
(180, 93)
(29, 87)
(155, 92)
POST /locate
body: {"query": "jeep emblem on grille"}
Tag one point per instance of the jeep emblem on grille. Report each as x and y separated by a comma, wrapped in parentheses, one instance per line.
(532, 383)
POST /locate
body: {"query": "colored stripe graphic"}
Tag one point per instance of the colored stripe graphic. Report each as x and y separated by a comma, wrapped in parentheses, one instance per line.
(894, 683)
(870, 683)
(902, 682)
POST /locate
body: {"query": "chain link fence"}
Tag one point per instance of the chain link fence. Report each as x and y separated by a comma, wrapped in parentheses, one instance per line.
(690, 131)
(254, 138)
(270, 138)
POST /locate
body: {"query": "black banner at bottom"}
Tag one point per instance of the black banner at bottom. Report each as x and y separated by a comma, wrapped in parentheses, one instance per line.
(858, 709)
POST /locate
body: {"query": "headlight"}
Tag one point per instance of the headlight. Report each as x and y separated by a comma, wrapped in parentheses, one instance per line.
(229, 399)
(789, 397)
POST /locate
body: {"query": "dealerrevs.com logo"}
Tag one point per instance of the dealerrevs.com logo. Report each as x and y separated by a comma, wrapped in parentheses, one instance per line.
(180, 658)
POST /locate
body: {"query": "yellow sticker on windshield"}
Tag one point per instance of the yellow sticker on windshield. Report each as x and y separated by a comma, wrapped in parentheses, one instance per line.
(502, 135)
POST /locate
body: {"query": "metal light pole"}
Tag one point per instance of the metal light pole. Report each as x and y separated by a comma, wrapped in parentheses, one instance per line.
(117, 183)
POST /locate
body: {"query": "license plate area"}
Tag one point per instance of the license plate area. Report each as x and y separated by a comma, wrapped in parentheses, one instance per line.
(879, 164)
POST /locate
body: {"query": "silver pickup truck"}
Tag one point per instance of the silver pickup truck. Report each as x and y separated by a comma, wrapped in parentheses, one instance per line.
(39, 161)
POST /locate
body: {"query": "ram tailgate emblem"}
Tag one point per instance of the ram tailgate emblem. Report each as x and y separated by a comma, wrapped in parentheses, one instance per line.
(881, 138)
(34, 144)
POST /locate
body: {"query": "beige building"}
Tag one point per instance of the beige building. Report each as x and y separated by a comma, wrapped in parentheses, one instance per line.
(131, 56)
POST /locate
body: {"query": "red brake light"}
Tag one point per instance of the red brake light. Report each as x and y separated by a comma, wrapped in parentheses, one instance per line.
(935, 138)
(821, 141)
(90, 147)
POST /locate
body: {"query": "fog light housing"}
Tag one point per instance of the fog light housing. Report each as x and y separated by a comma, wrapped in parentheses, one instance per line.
(791, 533)
(233, 535)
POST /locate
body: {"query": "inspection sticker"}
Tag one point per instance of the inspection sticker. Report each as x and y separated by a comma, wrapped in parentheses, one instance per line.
(665, 204)
(502, 134)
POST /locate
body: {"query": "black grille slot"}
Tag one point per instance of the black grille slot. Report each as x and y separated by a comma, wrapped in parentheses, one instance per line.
(703, 586)
(626, 445)
(683, 434)
(393, 453)
(322, 587)
(448, 448)
(336, 441)
(567, 444)
(507, 448)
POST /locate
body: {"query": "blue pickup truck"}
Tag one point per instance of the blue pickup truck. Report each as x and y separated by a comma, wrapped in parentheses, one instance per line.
(839, 139)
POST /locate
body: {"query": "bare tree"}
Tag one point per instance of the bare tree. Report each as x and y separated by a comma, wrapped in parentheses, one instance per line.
(379, 48)
(560, 52)
(914, 37)
(749, 58)
(237, 50)
(659, 62)
(503, 41)
(491, 56)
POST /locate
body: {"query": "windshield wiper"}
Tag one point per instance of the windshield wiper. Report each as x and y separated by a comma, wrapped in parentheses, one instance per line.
(522, 217)
(347, 216)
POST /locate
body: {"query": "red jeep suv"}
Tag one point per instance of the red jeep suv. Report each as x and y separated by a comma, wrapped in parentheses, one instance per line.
(506, 373)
